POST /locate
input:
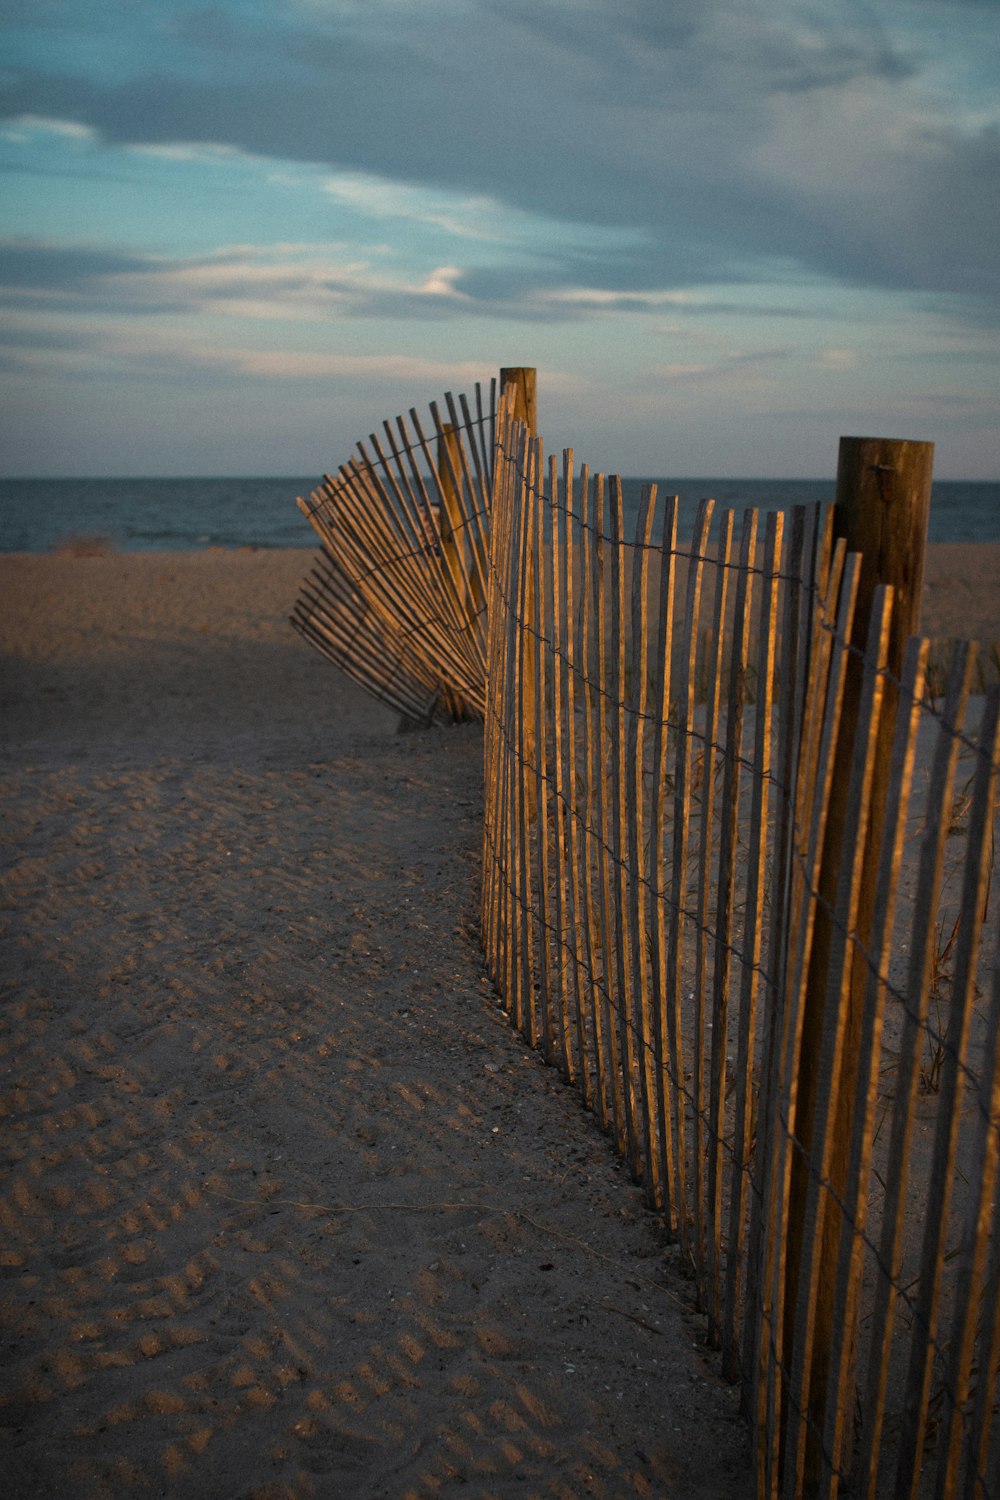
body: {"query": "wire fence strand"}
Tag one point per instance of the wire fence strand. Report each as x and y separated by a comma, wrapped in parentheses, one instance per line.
(671, 916)
(661, 729)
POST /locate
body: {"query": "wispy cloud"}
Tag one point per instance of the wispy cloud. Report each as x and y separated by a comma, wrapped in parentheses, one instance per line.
(20, 127)
(287, 281)
(803, 135)
(706, 202)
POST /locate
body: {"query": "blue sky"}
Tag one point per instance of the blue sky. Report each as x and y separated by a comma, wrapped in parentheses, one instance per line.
(235, 236)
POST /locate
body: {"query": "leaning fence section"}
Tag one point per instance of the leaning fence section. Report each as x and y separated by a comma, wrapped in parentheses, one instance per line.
(664, 720)
(397, 596)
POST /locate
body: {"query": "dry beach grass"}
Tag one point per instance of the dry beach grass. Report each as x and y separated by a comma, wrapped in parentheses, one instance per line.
(288, 1209)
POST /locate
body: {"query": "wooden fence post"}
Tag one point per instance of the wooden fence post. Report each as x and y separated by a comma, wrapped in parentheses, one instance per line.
(525, 380)
(881, 510)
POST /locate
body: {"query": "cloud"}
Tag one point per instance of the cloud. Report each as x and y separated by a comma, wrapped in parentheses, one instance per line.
(291, 282)
(21, 126)
(724, 140)
(393, 369)
(296, 283)
(837, 359)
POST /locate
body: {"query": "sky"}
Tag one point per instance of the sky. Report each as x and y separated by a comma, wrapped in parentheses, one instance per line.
(234, 237)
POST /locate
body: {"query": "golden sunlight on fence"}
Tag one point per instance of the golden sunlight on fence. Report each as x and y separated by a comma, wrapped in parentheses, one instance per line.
(397, 596)
(737, 859)
(661, 748)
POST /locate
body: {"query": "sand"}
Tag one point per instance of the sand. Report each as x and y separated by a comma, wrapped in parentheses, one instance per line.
(288, 1209)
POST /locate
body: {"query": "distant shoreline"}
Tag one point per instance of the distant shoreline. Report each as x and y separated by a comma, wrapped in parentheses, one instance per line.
(137, 515)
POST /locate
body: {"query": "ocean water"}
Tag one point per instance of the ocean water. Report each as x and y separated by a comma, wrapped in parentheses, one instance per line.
(147, 515)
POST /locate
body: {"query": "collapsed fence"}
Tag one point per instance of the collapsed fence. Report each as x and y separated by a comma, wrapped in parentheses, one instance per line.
(681, 741)
(397, 598)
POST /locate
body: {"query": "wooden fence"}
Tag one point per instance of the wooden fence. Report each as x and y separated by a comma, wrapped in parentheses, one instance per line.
(397, 597)
(661, 738)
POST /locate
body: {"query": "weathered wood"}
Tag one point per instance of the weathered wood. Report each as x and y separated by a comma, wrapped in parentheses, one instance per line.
(601, 896)
(673, 1208)
(467, 506)
(914, 1021)
(556, 627)
(636, 913)
(518, 385)
(983, 1309)
(744, 1127)
(704, 788)
(824, 669)
(495, 761)
(510, 917)
(881, 510)
(546, 1026)
(837, 1429)
(809, 1291)
(525, 745)
(507, 549)
(679, 915)
(758, 1311)
(945, 1165)
(524, 379)
(592, 852)
(624, 999)
(581, 958)
(376, 523)
(738, 652)
(605, 808)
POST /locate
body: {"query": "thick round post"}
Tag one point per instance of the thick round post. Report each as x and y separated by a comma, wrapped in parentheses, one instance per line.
(881, 509)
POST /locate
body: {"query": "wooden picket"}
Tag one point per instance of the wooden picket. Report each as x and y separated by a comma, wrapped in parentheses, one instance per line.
(685, 703)
(676, 823)
(398, 597)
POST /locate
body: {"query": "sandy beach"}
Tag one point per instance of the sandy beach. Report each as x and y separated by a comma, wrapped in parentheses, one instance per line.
(288, 1210)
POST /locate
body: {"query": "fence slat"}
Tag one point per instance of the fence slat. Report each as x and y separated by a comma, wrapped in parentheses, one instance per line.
(758, 1308)
(546, 1023)
(978, 859)
(802, 1457)
(744, 1128)
(564, 967)
(605, 806)
(581, 958)
(840, 1386)
(636, 911)
(591, 850)
(497, 760)
(666, 1087)
(824, 670)
(712, 676)
(527, 730)
(507, 882)
(679, 853)
(982, 1473)
(914, 1021)
(624, 1004)
(732, 748)
(983, 1168)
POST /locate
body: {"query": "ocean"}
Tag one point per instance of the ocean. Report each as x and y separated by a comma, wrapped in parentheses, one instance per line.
(172, 515)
